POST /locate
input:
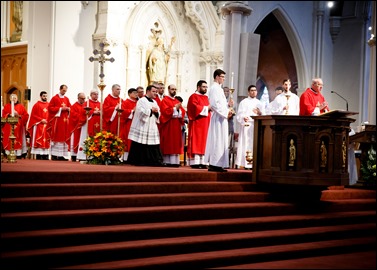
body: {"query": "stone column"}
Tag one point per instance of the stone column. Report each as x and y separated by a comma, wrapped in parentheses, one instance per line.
(372, 67)
(318, 39)
(233, 11)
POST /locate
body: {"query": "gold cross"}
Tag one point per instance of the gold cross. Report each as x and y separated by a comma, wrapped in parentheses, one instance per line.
(101, 58)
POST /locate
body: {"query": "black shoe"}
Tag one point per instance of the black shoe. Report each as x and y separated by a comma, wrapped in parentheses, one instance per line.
(195, 166)
(44, 157)
(54, 158)
(216, 169)
(62, 158)
(201, 166)
(73, 158)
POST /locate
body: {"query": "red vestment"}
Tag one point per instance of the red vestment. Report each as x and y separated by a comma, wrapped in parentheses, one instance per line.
(39, 138)
(198, 125)
(77, 119)
(309, 100)
(109, 105)
(126, 117)
(171, 127)
(58, 126)
(94, 118)
(19, 129)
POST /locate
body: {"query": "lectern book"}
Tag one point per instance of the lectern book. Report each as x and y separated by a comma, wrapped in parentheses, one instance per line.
(338, 113)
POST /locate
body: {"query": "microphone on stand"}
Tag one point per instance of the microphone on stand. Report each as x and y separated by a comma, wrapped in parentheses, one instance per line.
(342, 98)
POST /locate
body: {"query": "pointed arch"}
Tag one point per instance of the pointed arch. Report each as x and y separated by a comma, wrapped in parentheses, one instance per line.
(294, 43)
(296, 46)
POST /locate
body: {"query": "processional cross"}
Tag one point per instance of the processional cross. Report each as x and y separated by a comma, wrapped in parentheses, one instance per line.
(101, 60)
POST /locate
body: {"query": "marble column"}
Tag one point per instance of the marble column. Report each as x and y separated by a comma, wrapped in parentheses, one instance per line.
(233, 12)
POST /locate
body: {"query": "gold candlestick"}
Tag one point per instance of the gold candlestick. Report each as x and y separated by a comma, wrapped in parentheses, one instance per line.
(12, 157)
(231, 91)
(249, 157)
(101, 86)
(3, 122)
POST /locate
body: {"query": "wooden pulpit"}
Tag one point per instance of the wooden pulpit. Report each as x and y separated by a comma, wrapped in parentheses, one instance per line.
(364, 140)
(308, 151)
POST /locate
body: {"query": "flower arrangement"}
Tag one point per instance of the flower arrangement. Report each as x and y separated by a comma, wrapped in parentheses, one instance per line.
(368, 168)
(104, 148)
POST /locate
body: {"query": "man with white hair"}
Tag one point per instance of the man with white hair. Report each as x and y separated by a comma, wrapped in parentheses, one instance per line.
(92, 126)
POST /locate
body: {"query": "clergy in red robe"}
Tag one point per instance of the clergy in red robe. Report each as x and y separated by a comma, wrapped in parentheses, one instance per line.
(58, 124)
(37, 128)
(77, 119)
(171, 122)
(19, 131)
(126, 117)
(110, 114)
(312, 102)
(198, 111)
(94, 116)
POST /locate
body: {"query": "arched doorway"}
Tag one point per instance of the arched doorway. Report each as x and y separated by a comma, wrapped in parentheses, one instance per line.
(276, 61)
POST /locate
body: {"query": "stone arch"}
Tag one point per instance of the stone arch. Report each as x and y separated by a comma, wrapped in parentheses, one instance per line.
(292, 48)
(296, 45)
(172, 17)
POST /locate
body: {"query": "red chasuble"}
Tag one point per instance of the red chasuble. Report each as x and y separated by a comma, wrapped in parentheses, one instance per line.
(38, 113)
(94, 117)
(309, 100)
(109, 105)
(77, 119)
(19, 128)
(58, 127)
(128, 106)
(198, 125)
(171, 127)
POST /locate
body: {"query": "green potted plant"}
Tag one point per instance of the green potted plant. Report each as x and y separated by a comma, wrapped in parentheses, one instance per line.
(368, 168)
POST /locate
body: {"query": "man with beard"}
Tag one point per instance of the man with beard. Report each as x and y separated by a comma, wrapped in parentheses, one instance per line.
(37, 128)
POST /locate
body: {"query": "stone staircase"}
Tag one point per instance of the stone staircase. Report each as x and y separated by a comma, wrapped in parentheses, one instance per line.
(170, 221)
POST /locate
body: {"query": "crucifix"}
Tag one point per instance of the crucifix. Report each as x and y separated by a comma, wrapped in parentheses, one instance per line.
(101, 60)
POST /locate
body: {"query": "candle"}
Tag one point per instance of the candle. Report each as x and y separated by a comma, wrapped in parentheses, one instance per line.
(12, 106)
(231, 82)
(87, 102)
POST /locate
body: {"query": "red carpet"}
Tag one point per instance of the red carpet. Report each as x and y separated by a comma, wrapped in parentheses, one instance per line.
(62, 214)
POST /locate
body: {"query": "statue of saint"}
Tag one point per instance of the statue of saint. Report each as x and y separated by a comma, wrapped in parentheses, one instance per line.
(17, 20)
(323, 151)
(157, 57)
(292, 154)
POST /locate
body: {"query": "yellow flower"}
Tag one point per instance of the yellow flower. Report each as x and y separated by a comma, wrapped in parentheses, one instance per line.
(103, 148)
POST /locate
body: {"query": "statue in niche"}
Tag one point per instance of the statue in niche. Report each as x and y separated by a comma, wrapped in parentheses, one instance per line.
(292, 154)
(158, 56)
(344, 153)
(323, 152)
(17, 20)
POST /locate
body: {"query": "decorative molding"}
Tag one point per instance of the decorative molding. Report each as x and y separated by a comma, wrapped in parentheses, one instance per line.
(236, 7)
(216, 58)
(85, 3)
(335, 22)
(194, 11)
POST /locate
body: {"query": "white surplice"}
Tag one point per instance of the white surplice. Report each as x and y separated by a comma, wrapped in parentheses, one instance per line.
(217, 147)
(246, 133)
(144, 128)
(276, 106)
